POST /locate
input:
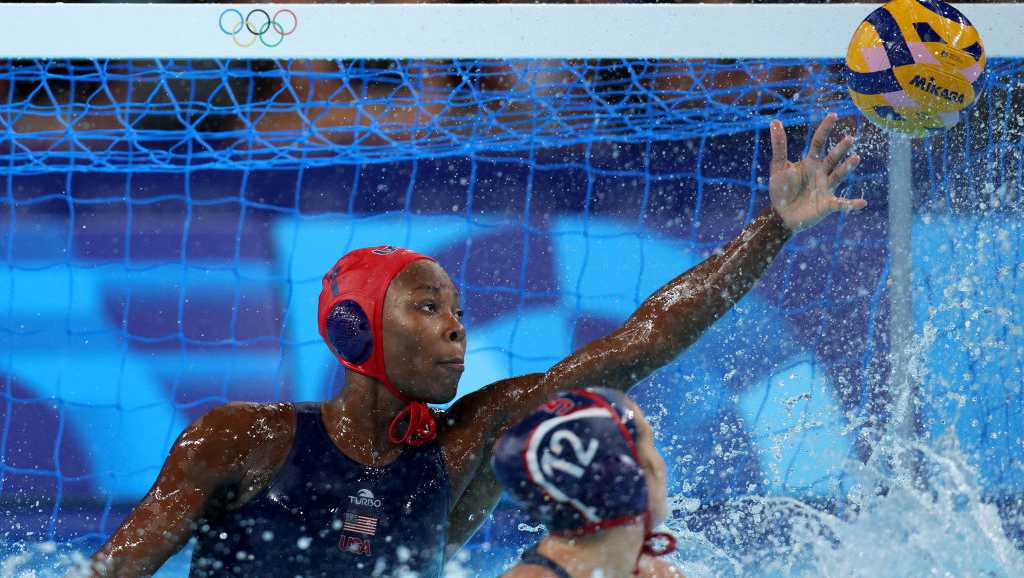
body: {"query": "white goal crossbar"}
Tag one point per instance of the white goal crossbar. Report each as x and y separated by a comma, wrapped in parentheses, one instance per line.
(457, 31)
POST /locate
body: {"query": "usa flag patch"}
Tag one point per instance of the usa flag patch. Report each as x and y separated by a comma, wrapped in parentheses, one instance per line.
(360, 524)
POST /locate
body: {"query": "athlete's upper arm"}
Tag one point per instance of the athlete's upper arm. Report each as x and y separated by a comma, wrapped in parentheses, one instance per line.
(472, 426)
(475, 422)
(473, 507)
(205, 457)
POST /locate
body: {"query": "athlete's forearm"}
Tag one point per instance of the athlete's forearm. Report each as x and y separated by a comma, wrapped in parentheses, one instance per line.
(135, 550)
(686, 306)
(675, 315)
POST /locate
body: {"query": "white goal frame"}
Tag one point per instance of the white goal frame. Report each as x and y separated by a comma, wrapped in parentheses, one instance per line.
(467, 31)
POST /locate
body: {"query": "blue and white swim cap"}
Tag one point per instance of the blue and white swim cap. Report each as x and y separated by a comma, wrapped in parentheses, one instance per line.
(573, 463)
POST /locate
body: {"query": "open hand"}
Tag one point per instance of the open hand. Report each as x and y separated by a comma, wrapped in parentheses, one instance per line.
(803, 193)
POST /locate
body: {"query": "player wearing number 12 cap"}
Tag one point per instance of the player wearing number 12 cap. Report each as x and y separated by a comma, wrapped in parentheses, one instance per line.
(372, 481)
(584, 464)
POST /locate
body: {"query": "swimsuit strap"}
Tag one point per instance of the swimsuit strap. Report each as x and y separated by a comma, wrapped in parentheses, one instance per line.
(534, 557)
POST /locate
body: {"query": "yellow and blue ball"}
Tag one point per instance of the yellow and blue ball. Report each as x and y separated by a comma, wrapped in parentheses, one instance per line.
(915, 66)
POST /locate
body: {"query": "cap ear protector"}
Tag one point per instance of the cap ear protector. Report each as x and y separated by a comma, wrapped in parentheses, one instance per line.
(349, 333)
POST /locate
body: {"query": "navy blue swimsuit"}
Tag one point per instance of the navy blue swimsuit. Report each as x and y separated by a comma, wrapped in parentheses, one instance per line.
(324, 515)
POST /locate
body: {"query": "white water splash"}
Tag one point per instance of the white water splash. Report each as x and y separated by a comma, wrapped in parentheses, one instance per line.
(40, 560)
(929, 523)
(915, 511)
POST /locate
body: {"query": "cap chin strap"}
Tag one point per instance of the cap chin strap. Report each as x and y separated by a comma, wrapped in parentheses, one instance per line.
(421, 429)
(651, 539)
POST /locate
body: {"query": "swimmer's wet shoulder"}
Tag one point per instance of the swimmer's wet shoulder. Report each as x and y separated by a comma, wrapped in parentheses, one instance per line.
(206, 470)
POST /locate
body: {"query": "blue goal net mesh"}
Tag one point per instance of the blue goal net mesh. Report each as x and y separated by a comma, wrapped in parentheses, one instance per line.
(165, 223)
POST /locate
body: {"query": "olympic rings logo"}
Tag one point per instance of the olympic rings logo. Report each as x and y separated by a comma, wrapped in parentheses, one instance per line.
(258, 25)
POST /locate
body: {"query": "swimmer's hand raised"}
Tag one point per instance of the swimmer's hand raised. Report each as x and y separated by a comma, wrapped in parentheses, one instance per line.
(803, 193)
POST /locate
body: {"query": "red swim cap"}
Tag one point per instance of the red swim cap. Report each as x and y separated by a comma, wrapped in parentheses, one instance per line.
(350, 316)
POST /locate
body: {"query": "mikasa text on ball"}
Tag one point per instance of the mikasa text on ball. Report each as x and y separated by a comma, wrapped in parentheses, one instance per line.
(915, 66)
